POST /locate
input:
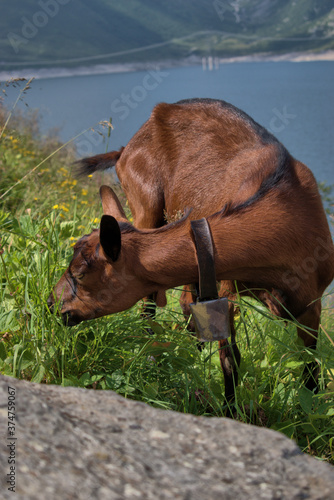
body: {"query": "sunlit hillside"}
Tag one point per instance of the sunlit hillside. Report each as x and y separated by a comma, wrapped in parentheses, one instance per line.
(53, 32)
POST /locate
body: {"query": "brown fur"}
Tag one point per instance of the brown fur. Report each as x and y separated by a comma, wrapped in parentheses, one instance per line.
(270, 231)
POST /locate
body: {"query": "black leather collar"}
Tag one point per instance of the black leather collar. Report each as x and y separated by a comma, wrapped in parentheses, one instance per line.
(205, 258)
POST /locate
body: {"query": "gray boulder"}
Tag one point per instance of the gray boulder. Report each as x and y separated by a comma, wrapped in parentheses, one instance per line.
(84, 444)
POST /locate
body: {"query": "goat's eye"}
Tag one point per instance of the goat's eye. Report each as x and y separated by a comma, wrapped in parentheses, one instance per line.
(79, 276)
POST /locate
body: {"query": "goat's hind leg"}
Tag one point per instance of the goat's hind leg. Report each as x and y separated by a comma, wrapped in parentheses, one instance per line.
(309, 334)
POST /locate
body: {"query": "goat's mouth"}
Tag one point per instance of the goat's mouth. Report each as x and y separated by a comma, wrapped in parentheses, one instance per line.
(70, 319)
(73, 318)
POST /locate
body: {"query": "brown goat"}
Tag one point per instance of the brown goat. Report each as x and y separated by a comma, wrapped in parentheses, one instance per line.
(270, 231)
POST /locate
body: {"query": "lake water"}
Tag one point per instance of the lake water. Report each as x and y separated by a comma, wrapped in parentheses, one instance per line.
(293, 100)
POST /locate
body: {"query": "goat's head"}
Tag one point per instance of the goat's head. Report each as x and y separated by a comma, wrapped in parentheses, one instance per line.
(100, 279)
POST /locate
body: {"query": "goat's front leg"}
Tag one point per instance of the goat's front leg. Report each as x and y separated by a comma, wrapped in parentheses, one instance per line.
(229, 355)
(150, 306)
(189, 296)
(149, 310)
(311, 320)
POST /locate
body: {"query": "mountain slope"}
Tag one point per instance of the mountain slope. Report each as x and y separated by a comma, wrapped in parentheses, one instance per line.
(69, 32)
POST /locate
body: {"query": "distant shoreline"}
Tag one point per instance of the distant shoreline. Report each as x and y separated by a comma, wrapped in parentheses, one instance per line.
(289, 57)
(103, 69)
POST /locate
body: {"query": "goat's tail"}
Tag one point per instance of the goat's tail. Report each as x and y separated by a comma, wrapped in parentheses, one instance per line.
(88, 166)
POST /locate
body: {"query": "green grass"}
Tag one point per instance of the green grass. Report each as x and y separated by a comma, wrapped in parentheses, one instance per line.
(40, 220)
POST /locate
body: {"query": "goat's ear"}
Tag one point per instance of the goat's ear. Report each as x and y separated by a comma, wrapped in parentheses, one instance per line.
(111, 204)
(110, 237)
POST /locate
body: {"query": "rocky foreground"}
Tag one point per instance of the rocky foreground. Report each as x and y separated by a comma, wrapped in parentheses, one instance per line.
(71, 443)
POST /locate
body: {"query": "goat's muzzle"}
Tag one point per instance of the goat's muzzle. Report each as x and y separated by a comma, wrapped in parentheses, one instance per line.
(69, 318)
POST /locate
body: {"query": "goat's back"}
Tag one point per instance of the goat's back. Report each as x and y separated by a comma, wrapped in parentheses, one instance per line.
(203, 154)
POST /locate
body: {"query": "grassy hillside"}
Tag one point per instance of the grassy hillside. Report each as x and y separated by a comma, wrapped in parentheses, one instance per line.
(81, 31)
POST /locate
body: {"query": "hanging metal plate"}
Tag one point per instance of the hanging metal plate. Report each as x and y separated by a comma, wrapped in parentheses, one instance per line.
(211, 319)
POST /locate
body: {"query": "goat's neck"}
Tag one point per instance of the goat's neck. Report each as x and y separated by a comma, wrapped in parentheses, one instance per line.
(166, 258)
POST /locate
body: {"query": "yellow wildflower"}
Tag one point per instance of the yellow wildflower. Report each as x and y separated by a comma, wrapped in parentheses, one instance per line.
(84, 192)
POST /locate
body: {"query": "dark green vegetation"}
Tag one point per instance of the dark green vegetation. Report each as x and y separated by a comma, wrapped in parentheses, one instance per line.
(41, 217)
(74, 32)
